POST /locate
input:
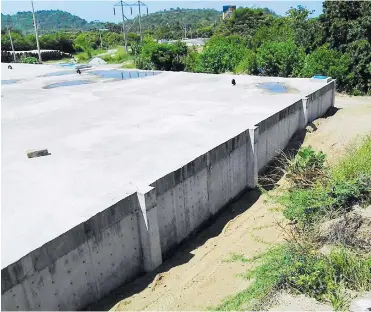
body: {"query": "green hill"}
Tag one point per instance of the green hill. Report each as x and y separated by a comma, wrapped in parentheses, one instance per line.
(56, 20)
(48, 20)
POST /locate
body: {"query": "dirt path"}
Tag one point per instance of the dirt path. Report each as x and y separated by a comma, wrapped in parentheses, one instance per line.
(198, 276)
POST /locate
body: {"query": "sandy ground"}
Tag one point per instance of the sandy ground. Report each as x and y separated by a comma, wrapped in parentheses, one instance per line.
(288, 302)
(198, 276)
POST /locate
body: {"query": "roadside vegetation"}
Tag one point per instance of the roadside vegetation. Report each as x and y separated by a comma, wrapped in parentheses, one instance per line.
(327, 254)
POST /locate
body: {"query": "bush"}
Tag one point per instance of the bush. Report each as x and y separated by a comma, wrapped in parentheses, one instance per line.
(162, 56)
(29, 60)
(305, 206)
(307, 166)
(248, 65)
(359, 79)
(192, 61)
(282, 59)
(325, 61)
(222, 54)
(84, 56)
(86, 41)
(346, 184)
(117, 58)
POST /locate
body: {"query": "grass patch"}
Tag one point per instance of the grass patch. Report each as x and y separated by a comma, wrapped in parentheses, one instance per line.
(304, 271)
(88, 55)
(118, 57)
(237, 257)
(356, 162)
(129, 64)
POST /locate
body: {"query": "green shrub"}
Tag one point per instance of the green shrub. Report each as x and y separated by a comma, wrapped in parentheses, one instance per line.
(162, 56)
(192, 61)
(248, 64)
(325, 61)
(222, 54)
(307, 159)
(307, 167)
(29, 60)
(282, 59)
(329, 191)
(118, 57)
(84, 56)
(305, 205)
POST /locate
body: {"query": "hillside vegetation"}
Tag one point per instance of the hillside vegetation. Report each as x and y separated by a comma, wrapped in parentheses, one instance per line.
(48, 20)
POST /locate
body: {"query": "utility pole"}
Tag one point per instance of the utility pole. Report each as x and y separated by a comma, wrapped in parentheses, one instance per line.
(36, 34)
(11, 42)
(123, 25)
(100, 36)
(122, 3)
(139, 4)
(140, 23)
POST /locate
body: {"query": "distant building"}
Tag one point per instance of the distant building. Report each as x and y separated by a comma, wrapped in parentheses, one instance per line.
(228, 10)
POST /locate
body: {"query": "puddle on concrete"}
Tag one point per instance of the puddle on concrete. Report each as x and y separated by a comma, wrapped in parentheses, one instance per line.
(67, 83)
(66, 65)
(10, 81)
(123, 75)
(59, 73)
(273, 87)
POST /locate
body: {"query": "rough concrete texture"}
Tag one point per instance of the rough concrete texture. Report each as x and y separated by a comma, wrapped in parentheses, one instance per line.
(111, 140)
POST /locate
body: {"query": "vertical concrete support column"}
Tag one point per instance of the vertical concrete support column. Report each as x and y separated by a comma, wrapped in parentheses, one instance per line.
(304, 113)
(333, 93)
(252, 157)
(149, 230)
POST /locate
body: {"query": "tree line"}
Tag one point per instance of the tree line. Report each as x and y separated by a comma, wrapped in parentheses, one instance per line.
(253, 41)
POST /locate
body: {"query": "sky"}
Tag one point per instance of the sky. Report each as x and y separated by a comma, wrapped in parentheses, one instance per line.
(103, 10)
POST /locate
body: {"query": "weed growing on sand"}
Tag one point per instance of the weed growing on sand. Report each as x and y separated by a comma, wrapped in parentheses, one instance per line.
(311, 197)
(237, 257)
(304, 271)
(306, 167)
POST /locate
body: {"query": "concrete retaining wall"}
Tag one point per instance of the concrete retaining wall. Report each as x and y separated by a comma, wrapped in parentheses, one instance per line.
(189, 196)
(319, 102)
(80, 266)
(132, 237)
(276, 131)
